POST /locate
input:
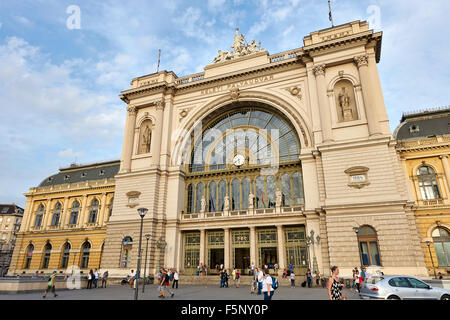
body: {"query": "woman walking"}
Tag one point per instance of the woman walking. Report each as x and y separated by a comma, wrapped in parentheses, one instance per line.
(90, 279)
(334, 286)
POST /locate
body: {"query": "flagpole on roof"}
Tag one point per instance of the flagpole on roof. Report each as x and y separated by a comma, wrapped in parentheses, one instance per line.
(330, 15)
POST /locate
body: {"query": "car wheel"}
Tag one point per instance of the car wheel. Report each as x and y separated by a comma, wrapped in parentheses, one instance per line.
(445, 297)
(394, 298)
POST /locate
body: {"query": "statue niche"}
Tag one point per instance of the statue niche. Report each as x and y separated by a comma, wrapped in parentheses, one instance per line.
(345, 101)
(145, 137)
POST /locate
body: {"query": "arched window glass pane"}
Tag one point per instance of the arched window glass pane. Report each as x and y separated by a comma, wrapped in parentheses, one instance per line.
(366, 231)
(39, 216)
(30, 250)
(245, 193)
(85, 255)
(286, 190)
(441, 241)
(428, 183)
(47, 253)
(236, 199)
(260, 197)
(271, 198)
(93, 211)
(297, 184)
(212, 202)
(127, 244)
(74, 212)
(222, 193)
(56, 214)
(190, 199)
(368, 244)
(199, 196)
(65, 256)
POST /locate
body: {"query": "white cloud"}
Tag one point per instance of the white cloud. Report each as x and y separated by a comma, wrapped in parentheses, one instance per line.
(70, 154)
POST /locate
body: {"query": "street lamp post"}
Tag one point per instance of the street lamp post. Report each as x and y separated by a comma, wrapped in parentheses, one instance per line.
(147, 237)
(431, 256)
(142, 212)
(356, 229)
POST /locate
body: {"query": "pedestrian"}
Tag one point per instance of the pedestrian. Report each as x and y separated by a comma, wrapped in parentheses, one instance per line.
(51, 285)
(254, 283)
(105, 279)
(227, 277)
(132, 275)
(334, 285)
(253, 269)
(260, 279)
(238, 278)
(362, 275)
(356, 277)
(317, 279)
(292, 279)
(284, 274)
(164, 285)
(175, 279)
(233, 274)
(291, 268)
(267, 289)
(275, 267)
(95, 278)
(90, 278)
(309, 277)
(440, 276)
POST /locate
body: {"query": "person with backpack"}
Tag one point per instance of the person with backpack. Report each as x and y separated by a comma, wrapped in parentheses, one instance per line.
(51, 285)
(267, 285)
(164, 285)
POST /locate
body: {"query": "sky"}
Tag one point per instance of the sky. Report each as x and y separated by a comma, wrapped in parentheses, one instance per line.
(62, 69)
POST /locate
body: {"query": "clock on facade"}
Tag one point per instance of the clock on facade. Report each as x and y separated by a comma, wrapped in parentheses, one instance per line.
(238, 160)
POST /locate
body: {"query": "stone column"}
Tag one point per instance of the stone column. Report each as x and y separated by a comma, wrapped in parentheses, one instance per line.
(408, 180)
(370, 103)
(48, 212)
(226, 248)
(280, 247)
(103, 206)
(65, 214)
(157, 137)
(166, 135)
(128, 139)
(83, 213)
(324, 110)
(29, 215)
(446, 166)
(202, 245)
(253, 246)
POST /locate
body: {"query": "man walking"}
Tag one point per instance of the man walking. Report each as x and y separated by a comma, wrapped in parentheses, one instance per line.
(267, 285)
(95, 278)
(51, 285)
(132, 276)
(260, 279)
(164, 285)
(309, 277)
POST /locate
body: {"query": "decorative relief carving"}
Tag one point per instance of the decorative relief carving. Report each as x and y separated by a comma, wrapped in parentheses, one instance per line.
(145, 137)
(319, 70)
(133, 198)
(362, 60)
(345, 101)
(234, 94)
(357, 177)
(132, 110)
(183, 113)
(159, 104)
(295, 91)
(240, 48)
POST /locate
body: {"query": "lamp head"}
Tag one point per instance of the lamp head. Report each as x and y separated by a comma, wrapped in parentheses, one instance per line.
(142, 212)
(356, 229)
(147, 236)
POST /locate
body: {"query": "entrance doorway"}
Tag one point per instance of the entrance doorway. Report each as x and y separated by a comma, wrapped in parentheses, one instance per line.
(216, 258)
(242, 258)
(268, 256)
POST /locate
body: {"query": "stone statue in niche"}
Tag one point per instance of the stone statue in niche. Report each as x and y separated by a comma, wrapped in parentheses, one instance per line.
(226, 203)
(345, 101)
(203, 204)
(251, 198)
(279, 197)
(146, 139)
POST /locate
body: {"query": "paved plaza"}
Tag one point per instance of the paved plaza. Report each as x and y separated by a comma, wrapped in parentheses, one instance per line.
(187, 292)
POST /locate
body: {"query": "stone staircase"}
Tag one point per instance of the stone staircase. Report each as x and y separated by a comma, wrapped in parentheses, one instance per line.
(245, 280)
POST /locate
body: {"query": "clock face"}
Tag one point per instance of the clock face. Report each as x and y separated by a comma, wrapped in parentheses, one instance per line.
(238, 160)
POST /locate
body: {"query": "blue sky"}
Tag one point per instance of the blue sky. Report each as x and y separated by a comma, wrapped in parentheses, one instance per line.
(59, 87)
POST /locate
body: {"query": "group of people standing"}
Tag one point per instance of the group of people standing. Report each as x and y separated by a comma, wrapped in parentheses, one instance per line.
(93, 276)
(165, 277)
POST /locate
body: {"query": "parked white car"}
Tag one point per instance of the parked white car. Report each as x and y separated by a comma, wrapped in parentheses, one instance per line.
(401, 287)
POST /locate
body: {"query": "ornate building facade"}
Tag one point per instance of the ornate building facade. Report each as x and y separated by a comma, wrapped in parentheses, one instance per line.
(424, 147)
(65, 218)
(267, 159)
(10, 220)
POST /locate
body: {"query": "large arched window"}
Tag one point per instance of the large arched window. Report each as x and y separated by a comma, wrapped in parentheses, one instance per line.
(47, 254)
(190, 199)
(39, 216)
(29, 256)
(198, 196)
(368, 246)
(93, 212)
(74, 212)
(441, 240)
(65, 255)
(56, 214)
(85, 252)
(428, 183)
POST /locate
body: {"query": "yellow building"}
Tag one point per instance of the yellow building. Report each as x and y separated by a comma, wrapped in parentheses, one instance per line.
(424, 146)
(64, 223)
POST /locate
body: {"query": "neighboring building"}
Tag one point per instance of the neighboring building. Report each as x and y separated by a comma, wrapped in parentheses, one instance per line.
(424, 147)
(65, 217)
(10, 220)
(285, 158)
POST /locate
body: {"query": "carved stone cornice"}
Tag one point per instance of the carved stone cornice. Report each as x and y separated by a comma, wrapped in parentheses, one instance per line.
(319, 70)
(132, 110)
(362, 60)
